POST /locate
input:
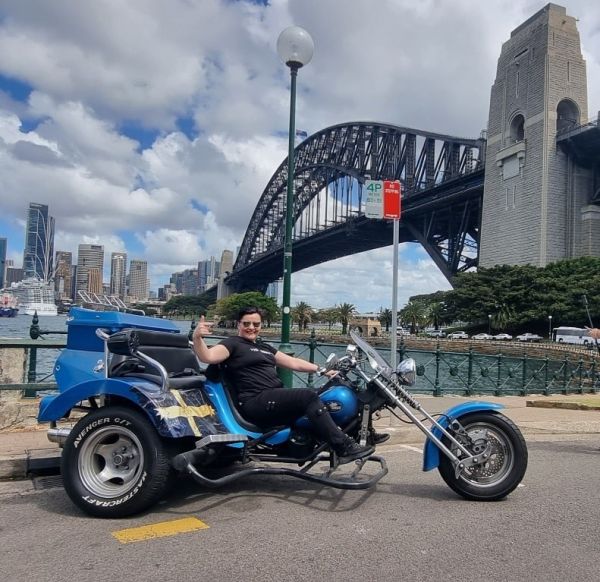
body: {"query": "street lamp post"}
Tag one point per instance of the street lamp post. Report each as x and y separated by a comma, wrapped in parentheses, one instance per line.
(550, 327)
(489, 324)
(295, 48)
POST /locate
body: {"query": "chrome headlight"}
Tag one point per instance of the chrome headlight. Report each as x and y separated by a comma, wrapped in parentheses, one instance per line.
(407, 372)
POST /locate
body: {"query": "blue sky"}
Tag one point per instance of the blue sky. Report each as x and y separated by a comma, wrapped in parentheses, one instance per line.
(156, 135)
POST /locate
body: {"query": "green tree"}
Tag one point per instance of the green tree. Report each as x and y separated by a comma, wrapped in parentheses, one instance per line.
(186, 305)
(229, 307)
(345, 312)
(415, 313)
(385, 318)
(329, 315)
(435, 314)
(302, 314)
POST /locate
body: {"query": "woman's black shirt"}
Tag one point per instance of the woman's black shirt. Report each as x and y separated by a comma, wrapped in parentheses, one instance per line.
(250, 367)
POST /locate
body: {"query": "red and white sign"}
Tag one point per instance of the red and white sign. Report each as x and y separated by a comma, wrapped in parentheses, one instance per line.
(392, 195)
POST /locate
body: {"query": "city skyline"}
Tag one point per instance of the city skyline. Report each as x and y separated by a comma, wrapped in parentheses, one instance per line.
(125, 281)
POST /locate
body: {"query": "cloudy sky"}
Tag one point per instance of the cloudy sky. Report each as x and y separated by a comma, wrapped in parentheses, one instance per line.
(153, 126)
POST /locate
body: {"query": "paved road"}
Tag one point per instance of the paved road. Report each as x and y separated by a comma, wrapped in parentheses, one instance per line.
(410, 527)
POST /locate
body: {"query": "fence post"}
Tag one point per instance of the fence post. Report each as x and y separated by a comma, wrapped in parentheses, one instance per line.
(312, 344)
(580, 390)
(436, 389)
(593, 375)
(546, 383)
(192, 328)
(470, 372)
(31, 372)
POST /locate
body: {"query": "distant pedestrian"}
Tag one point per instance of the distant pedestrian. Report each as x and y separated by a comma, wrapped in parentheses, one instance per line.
(594, 332)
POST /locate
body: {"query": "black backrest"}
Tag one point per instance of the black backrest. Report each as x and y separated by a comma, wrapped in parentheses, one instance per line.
(172, 350)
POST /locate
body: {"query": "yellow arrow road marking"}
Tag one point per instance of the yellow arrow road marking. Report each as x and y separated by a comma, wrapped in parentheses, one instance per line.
(159, 530)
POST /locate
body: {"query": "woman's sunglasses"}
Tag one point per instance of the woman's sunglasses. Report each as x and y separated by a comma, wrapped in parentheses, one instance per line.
(247, 324)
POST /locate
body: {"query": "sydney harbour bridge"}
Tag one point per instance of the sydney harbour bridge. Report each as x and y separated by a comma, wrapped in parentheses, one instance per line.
(542, 182)
(442, 180)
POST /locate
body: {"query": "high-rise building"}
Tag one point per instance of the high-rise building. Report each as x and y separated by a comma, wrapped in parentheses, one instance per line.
(63, 275)
(118, 274)
(88, 257)
(189, 284)
(94, 284)
(39, 243)
(138, 280)
(208, 273)
(3, 247)
(13, 275)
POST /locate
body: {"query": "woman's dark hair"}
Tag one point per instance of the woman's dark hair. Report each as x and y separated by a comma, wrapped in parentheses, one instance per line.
(249, 311)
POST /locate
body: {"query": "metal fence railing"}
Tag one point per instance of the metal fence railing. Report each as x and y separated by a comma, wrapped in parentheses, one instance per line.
(439, 372)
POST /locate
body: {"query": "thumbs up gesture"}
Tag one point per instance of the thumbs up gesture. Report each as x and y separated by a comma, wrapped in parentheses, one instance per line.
(204, 327)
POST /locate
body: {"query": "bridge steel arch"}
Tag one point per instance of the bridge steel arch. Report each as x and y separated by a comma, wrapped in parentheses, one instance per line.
(442, 180)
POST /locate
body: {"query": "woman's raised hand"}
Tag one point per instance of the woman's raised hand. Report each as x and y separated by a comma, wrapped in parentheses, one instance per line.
(203, 328)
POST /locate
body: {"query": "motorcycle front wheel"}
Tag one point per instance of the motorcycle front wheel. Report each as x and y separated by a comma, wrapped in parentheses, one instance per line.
(114, 463)
(501, 472)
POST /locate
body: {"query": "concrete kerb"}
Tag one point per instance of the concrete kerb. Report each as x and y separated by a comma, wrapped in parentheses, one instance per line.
(536, 416)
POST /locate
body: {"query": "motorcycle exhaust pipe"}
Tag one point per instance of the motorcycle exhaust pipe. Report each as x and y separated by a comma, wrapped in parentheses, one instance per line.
(58, 435)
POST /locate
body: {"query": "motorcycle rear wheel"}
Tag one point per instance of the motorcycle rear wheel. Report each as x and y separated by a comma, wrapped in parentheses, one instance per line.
(502, 472)
(114, 463)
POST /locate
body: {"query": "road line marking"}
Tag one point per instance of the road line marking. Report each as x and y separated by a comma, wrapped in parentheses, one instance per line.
(159, 530)
(414, 449)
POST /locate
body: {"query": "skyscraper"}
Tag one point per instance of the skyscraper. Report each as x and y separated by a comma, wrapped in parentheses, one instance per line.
(3, 245)
(118, 274)
(39, 243)
(63, 275)
(138, 280)
(88, 257)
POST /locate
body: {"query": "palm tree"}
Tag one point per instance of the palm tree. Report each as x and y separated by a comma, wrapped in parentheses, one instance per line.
(329, 315)
(302, 314)
(385, 318)
(415, 313)
(436, 313)
(345, 312)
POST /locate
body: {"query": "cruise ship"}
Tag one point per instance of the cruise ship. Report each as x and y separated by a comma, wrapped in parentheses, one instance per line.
(34, 296)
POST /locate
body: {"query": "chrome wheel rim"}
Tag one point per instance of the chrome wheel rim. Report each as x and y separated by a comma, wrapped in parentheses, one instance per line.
(111, 462)
(500, 462)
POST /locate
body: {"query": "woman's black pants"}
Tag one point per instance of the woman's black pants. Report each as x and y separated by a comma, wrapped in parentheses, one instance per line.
(283, 406)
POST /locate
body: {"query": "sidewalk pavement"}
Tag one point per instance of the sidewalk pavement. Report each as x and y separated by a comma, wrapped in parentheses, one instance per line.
(23, 451)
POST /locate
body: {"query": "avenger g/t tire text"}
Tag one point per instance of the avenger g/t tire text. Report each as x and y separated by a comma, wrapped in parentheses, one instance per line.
(114, 463)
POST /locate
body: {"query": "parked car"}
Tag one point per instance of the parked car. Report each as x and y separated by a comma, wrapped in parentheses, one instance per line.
(482, 336)
(435, 333)
(529, 337)
(503, 336)
(458, 335)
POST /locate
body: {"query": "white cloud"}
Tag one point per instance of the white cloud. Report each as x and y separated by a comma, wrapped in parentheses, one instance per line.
(184, 196)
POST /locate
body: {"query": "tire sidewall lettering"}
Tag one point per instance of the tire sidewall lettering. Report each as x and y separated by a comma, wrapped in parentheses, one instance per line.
(115, 502)
(96, 423)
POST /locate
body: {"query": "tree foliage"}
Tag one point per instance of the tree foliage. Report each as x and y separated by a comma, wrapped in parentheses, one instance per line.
(302, 314)
(345, 312)
(522, 297)
(385, 317)
(186, 305)
(229, 307)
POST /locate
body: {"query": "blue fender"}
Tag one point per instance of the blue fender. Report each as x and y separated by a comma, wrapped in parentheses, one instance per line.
(216, 393)
(431, 453)
(54, 406)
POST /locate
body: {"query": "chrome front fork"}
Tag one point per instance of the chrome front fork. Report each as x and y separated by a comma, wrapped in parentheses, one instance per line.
(464, 462)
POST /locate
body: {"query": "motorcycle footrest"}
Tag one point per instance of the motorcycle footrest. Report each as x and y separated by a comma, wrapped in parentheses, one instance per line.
(184, 460)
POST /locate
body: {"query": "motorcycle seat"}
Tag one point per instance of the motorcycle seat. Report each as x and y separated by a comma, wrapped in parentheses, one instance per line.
(215, 374)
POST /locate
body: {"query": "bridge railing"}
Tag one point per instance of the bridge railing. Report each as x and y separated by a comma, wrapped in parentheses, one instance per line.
(439, 372)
